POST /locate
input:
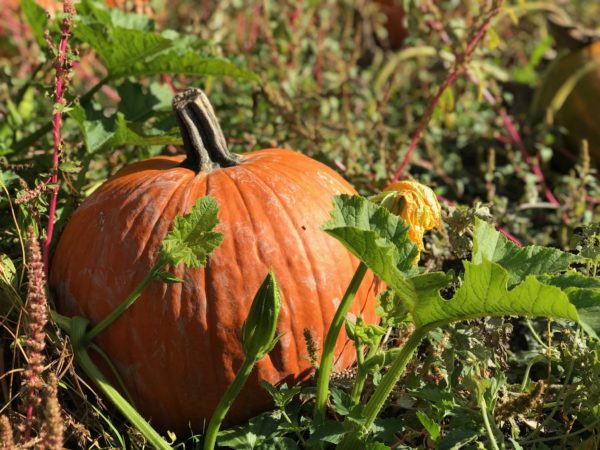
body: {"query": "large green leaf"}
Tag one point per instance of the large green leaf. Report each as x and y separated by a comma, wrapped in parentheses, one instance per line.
(134, 52)
(97, 11)
(138, 103)
(422, 289)
(519, 261)
(485, 292)
(190, 63)
(136, 134)
(584, 293)
(97, 130)
(120, 47)
(374, 235)
(100, 133)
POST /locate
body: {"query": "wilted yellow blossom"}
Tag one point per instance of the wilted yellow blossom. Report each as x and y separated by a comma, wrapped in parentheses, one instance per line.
(416, 204)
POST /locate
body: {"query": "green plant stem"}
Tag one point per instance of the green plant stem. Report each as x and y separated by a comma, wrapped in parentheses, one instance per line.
(561, 394)
(19, 234)
(130, 300)
(486, 419)
(382, 358)
(329, 347)
(114, 371)
(288, 420)
(79, 341)
(530, 364)
(390, 379)
(561, 436)
(359, 384)
(534, 333)
(363, 372)
(63, 322)
(232, 392)
(352, 440)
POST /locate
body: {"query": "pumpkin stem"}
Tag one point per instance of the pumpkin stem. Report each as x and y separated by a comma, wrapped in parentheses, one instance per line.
(203, 139)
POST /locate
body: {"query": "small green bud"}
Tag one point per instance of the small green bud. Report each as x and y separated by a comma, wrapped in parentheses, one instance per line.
(258, 333)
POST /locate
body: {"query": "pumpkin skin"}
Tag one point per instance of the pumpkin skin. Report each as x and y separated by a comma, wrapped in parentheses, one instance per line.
(579, 113)
(394, 16)
(177, 347)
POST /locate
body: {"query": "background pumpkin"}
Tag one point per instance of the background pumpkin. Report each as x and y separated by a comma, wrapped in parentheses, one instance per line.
(578, 62)
(177, 348)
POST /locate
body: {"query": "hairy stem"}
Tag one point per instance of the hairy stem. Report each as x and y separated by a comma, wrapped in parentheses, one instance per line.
(130, 300)
(328, 349)
(352, 440)
(486, 421)
(230, 395)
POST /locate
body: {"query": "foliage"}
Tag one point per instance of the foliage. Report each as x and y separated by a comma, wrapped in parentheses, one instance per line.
(192, 238)
(317, 77)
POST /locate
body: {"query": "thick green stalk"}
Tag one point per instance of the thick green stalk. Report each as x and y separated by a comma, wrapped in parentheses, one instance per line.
(486, 420)
(359, 384)
(363, 371)
(329, 347)
(383, 358)
(377, 401)
(210, 439)
(79, 342)
(119, 310)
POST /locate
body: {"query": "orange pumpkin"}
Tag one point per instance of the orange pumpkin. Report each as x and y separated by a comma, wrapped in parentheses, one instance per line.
(177, 348)
(571, 85)
(394, 23)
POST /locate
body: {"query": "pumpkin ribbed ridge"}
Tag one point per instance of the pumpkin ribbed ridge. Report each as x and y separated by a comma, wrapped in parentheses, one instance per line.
(177, 348)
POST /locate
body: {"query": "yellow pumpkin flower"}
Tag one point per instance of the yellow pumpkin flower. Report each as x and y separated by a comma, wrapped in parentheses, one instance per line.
(416, 204)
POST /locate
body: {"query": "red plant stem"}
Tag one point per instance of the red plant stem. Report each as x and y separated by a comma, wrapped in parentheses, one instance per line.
(509, 236)
(59, 99)
(459, 66)
(535, 167)
(293, 27)
(515, 138)
(423, 123)
(166, 79)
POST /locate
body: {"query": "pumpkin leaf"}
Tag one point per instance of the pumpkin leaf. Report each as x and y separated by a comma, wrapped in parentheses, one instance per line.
(417, 291)
(374, 235)
(520, 262)
(192, 238)
(584, 293)
(484, 292)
